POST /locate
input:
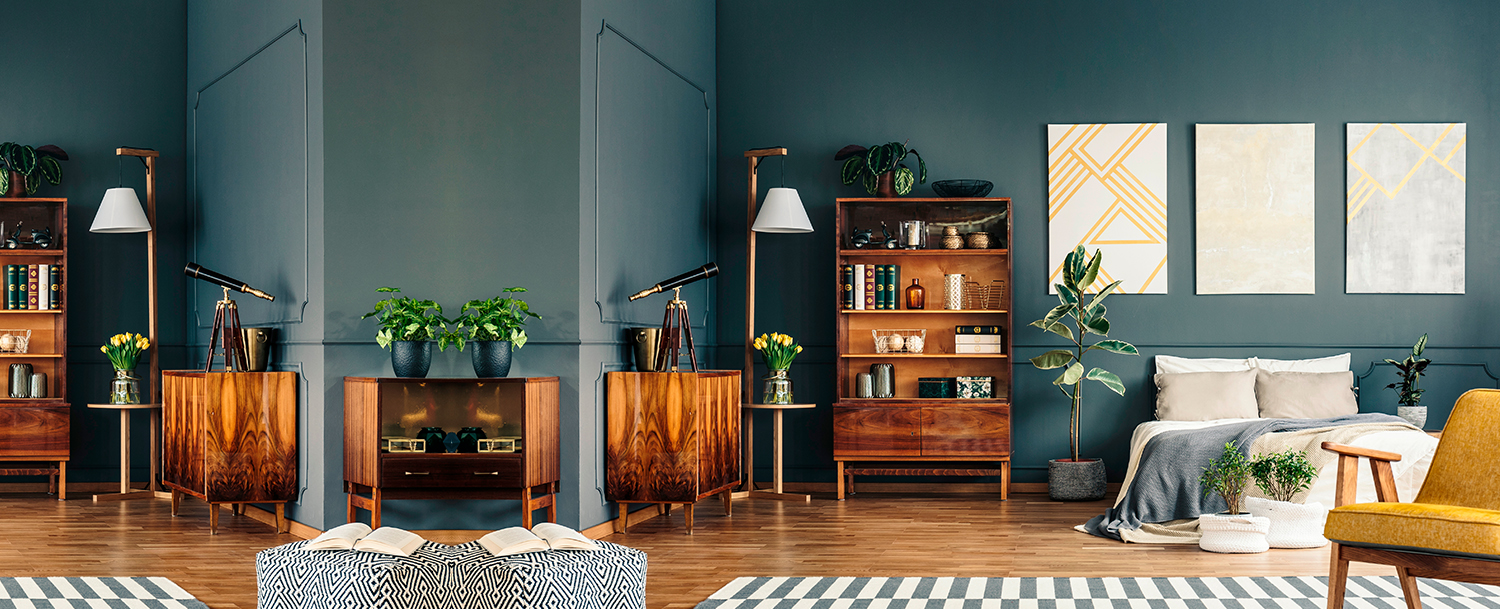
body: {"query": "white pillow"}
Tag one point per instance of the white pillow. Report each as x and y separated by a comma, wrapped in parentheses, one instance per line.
(1333, 363)
(1169, 364)
(1206, 396)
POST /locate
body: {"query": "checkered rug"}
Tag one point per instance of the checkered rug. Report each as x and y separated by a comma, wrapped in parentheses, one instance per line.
(94, 593)
(1085, 593)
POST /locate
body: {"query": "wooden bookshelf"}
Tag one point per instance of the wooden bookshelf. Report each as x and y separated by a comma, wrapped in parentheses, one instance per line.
(35, 432)
(934, 436)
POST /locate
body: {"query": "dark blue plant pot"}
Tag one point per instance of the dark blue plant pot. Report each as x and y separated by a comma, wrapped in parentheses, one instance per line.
(491, 358)
(411, 358)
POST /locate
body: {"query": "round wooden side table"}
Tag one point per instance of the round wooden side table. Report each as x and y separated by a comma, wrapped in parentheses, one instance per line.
(776, 492)
(125, 491)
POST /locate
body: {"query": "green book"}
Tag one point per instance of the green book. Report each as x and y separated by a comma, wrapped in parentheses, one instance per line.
(976, 329)
(880, 287)
(12, 286)
(894, 287)
(848, 286)
(55, 286)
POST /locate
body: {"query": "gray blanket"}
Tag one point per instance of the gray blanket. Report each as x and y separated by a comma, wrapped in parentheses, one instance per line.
(1166, 483)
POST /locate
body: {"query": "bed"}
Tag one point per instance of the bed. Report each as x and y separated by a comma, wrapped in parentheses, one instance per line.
(1159, 500)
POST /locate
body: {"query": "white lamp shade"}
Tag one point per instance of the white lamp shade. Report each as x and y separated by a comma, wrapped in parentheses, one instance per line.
(120, 213)
(782, 212)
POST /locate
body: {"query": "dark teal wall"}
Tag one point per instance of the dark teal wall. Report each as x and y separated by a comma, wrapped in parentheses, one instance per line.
(974, 84)
(90, 77)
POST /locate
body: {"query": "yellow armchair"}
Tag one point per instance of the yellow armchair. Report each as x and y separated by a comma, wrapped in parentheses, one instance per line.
(1451, 531)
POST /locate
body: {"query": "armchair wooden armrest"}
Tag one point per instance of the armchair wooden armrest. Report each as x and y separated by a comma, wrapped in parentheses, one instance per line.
(1348, 473)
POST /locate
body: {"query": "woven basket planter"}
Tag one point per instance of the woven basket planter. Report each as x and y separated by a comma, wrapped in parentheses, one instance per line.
(1293, 525)
(1233, 534)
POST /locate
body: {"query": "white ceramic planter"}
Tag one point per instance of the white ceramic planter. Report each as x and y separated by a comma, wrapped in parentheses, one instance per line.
(1293, 525)
(1233, 534)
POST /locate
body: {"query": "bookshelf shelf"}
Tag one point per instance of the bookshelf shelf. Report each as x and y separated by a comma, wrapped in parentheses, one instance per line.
(925, 311)
(926, 252)
(927, 355)
(30, 355)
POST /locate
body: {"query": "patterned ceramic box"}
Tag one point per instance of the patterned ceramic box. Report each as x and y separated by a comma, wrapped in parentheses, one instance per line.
(940, 387)
(976, 387)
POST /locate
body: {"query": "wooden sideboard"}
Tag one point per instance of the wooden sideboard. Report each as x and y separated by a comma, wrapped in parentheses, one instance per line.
(384, 408)
(674, 437)
(230, 437)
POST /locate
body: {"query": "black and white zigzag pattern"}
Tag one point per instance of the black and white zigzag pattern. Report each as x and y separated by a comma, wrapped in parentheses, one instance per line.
(1086, 593)
(439, 576)
(94, 592)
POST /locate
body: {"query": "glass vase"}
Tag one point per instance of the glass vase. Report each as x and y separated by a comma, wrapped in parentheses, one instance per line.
(778, 388)
(124, 389)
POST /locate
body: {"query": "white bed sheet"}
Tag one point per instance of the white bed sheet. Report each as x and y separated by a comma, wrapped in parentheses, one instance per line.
(1415, 447)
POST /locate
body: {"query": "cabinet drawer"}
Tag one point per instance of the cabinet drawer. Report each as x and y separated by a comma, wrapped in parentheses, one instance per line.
(877, 431)
(34, 431)
(966, 432)
(450, 471)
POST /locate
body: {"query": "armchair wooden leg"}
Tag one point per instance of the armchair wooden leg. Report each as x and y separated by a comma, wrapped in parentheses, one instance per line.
(1338, 572)
(1409, 588)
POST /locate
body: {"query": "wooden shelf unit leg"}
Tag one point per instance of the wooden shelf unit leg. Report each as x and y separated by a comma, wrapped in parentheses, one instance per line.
(1005, 480)
(840, 479)
(62, 480)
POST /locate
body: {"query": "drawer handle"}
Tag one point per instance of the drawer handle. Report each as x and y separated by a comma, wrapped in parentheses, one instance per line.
(417, 473)
(486, 473)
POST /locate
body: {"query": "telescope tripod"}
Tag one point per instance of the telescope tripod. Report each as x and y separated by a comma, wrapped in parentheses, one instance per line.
(675, 330)
(227, 325)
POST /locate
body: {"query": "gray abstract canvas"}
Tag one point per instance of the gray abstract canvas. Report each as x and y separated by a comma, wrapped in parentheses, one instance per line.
(1405, 205)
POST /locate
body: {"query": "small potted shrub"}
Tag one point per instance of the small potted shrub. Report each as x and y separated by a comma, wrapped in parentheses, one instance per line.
(23, 168)
(1228, 476)
(1409, 396)
(493, 326)
(407, 327)
(1281, 476)
(880, 168)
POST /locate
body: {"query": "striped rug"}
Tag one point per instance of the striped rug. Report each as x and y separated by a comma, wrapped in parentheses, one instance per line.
(1085, 593)
(94, 593)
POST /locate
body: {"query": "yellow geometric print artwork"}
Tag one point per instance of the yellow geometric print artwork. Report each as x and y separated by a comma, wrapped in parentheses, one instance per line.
(1107, 190)
(1404, 210)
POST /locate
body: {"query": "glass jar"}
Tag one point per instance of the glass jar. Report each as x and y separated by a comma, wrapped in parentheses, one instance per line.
(124, 389)
(778, 388)
(916, 295)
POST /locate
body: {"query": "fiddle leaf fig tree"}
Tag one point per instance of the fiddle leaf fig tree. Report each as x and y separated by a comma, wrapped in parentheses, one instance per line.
(1087, 315)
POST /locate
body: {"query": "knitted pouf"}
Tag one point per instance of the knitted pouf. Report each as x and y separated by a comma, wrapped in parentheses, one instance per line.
(1293, 525)
(1241, 534)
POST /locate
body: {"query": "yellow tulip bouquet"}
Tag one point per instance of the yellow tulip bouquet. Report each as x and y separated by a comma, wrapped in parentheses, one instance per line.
(124, 350)
(777, 350)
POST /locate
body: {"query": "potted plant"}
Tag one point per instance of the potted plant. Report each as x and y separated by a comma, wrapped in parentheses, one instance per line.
(407, 327)
(880, 169)
(1280, 476)
(1409, 396)
(1233, 531)
(22, 168)
(777, 351)
(124, 352)
(1077, 479)
(493, 326)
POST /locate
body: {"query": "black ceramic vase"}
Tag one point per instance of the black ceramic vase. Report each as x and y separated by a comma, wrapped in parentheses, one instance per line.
(433, 436)
(468, 439)
(411, 358)
(491, 358)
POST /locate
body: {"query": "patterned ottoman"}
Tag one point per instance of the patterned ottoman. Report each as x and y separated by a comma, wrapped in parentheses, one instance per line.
(439, 576)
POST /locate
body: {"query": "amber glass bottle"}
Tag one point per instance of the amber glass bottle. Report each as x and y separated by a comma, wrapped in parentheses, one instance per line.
(916, 295)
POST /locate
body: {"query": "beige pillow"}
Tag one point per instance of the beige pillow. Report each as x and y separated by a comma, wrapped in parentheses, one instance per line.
(1305, 395)
(1205, 396)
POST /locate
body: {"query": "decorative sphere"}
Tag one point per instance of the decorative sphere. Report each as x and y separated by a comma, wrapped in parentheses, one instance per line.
(9, 342)
(894, 343)
(914, 344)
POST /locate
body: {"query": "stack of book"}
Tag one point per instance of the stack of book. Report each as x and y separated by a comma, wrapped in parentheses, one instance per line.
(33, 287)
(978, 339)
(871, 287)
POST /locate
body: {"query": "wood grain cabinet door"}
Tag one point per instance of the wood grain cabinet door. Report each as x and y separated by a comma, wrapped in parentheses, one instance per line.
(34, 432)
(877, 431)
(966, 432)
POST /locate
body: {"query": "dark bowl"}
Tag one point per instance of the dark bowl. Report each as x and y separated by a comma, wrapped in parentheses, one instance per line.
(962, 189)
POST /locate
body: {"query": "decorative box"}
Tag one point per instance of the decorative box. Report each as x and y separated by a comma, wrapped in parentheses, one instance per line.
(899, 341)
(404, 445)
(940, 387)
(499, 445)
(976, 387)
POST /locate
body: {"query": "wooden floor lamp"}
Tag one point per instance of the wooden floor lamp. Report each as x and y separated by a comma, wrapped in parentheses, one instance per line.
(782, 213)
(120, 212)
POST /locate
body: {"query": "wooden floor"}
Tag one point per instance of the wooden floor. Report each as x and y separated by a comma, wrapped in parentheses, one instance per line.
(868, 535)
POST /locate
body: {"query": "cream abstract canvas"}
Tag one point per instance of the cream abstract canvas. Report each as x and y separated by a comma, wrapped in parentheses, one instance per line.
(1405, 205)
(1107, 190)
(1254, 209)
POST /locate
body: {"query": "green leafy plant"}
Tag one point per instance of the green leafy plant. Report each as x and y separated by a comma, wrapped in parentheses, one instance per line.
(1282, 475)
(1078, 273)
(866, 165)
(498, 318)
(406, 318)
(1227, 476)
(33, 165)
(1411, 370)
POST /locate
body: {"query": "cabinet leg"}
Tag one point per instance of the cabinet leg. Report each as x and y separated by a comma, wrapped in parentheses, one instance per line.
(176, 501)
(1005, 481)
(281, 524)
(687, 512)
(841, 479)
(623, 523)
(237, 509)
(375, 513)
(350, 514)
(662, 509)
(552, 508)
(728, 503)
(213, 519)
(526, 507)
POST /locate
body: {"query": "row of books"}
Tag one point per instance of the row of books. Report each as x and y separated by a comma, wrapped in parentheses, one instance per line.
(33, 287)
(871, 286)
